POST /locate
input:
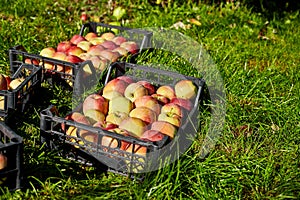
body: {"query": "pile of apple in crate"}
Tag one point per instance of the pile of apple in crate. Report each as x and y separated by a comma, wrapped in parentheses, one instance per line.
(137, 112)
(96, 46)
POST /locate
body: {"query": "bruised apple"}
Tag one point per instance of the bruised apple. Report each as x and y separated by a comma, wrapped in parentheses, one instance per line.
(94, 116)
(116, 117)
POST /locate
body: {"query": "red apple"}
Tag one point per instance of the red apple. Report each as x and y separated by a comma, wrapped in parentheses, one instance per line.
(125, 78)
(149, 102)
(32, 61)
(76, 117)
(137, 149)
(167, 91)
(119, 40)
(98, 62)
(184, 103)
(3, 82)
(95, 101)
(63, 46)
(8, 80)
(75, 50)
(3, 161)
(95, 50)
(59, 55)
(152, 135)
(94, 116)
(122, 51)
(73, 59)
(109, 55)
(76, 39)
(148, 86)
(109, 45)
(162, 100)
(84, 56)
(118, 85)
(111, 94)
(130, 46)
(105, 125)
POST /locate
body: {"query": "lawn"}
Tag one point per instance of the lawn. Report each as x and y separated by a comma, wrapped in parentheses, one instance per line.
(256, 52)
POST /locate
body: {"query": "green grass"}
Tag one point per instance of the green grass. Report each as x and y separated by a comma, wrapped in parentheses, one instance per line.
(257, 155)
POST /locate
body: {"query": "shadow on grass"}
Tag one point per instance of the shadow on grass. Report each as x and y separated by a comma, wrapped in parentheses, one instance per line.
(268, 8)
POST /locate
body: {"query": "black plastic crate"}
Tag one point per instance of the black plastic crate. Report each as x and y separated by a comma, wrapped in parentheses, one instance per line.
(18, 98)
(11, 147)
(66, 72)
(118, 160)
(18, 55)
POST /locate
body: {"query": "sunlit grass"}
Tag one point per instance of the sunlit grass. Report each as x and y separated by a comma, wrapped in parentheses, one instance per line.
(257, 156)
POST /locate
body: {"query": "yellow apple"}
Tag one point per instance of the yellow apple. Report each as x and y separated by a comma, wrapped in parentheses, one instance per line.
(165, 128)
(167, 91)
(171, 118)
(134, 126)
(172, 108)
(111, 94)
(116, 117)
(120, 104)
(146, 114)
(134, 91)
(94, 116)
(15, 83)
(185, 89)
